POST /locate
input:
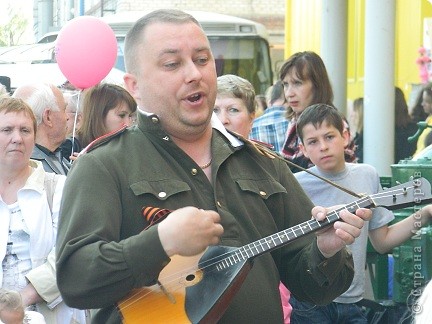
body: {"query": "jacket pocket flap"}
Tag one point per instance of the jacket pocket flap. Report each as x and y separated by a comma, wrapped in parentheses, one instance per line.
(263, 188)
(163, 189)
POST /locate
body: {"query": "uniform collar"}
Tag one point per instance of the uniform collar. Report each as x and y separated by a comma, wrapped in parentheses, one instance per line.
(216, 124)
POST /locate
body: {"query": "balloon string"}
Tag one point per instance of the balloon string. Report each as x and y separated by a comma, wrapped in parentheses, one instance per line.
(75, 121)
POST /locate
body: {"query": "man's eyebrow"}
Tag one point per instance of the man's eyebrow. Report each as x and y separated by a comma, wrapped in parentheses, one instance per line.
(202, 48)
(169, 51)
(175, 51)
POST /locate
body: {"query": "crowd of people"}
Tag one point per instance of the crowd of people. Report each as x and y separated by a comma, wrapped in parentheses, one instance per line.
(104, 190)
(404, 128)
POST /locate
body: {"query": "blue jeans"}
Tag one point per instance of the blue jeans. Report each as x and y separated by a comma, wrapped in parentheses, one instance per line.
(333, 313)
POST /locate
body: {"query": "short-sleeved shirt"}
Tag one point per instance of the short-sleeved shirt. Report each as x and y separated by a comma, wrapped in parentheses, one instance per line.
(361, 178)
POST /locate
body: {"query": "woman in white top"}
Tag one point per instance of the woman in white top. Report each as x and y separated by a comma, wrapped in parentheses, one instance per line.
(29, 210)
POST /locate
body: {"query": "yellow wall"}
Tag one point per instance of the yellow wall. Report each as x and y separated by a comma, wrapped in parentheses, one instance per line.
(356, 45)
(409, 38)
(303, 32)
(302, 26)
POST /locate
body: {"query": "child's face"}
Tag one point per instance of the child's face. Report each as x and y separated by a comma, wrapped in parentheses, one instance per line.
(324, 146)
(11, 316)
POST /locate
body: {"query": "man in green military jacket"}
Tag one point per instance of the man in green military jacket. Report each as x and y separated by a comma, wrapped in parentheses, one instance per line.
(217, 188)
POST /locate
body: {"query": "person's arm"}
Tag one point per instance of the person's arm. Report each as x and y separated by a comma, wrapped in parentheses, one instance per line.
(341, 233)
(91, 244)
(42, 285)
(30, 296)
(385, 238)
(325, 269)
(308, 274)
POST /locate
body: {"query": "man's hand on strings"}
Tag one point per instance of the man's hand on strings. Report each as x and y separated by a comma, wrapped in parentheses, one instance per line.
(333, 238)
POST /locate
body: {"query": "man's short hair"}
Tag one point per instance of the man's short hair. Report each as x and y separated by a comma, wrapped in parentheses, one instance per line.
(133, 39)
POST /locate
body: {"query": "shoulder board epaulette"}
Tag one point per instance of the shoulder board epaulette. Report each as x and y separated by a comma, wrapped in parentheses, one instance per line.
(103, 139)
(261, 147)
(267, 151)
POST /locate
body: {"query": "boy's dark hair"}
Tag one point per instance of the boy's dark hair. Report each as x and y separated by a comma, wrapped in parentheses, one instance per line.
(316, 115)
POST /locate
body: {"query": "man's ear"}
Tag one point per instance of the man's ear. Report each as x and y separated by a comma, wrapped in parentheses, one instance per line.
(303, 149)
(47, 117)
(131, 85)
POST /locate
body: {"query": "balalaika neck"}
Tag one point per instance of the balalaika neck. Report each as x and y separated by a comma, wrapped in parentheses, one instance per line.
(281, 238)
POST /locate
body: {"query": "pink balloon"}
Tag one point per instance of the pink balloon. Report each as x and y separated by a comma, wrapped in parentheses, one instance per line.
(86, 50)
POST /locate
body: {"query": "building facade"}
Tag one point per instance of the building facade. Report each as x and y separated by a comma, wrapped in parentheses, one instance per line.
(51, 15)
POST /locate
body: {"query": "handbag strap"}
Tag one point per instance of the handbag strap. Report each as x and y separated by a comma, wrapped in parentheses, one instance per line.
(50, 183)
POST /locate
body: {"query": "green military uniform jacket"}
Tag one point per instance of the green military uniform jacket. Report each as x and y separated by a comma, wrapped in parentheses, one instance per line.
(103, 252)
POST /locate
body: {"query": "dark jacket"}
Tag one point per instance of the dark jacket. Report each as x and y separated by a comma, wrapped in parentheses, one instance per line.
(101, 239)
(67, 145)
(53, 162)
(403, 148)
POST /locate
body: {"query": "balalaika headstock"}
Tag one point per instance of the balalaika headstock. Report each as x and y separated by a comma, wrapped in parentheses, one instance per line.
(414, 192)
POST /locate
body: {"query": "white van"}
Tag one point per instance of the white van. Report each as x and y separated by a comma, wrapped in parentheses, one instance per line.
(240, 46)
